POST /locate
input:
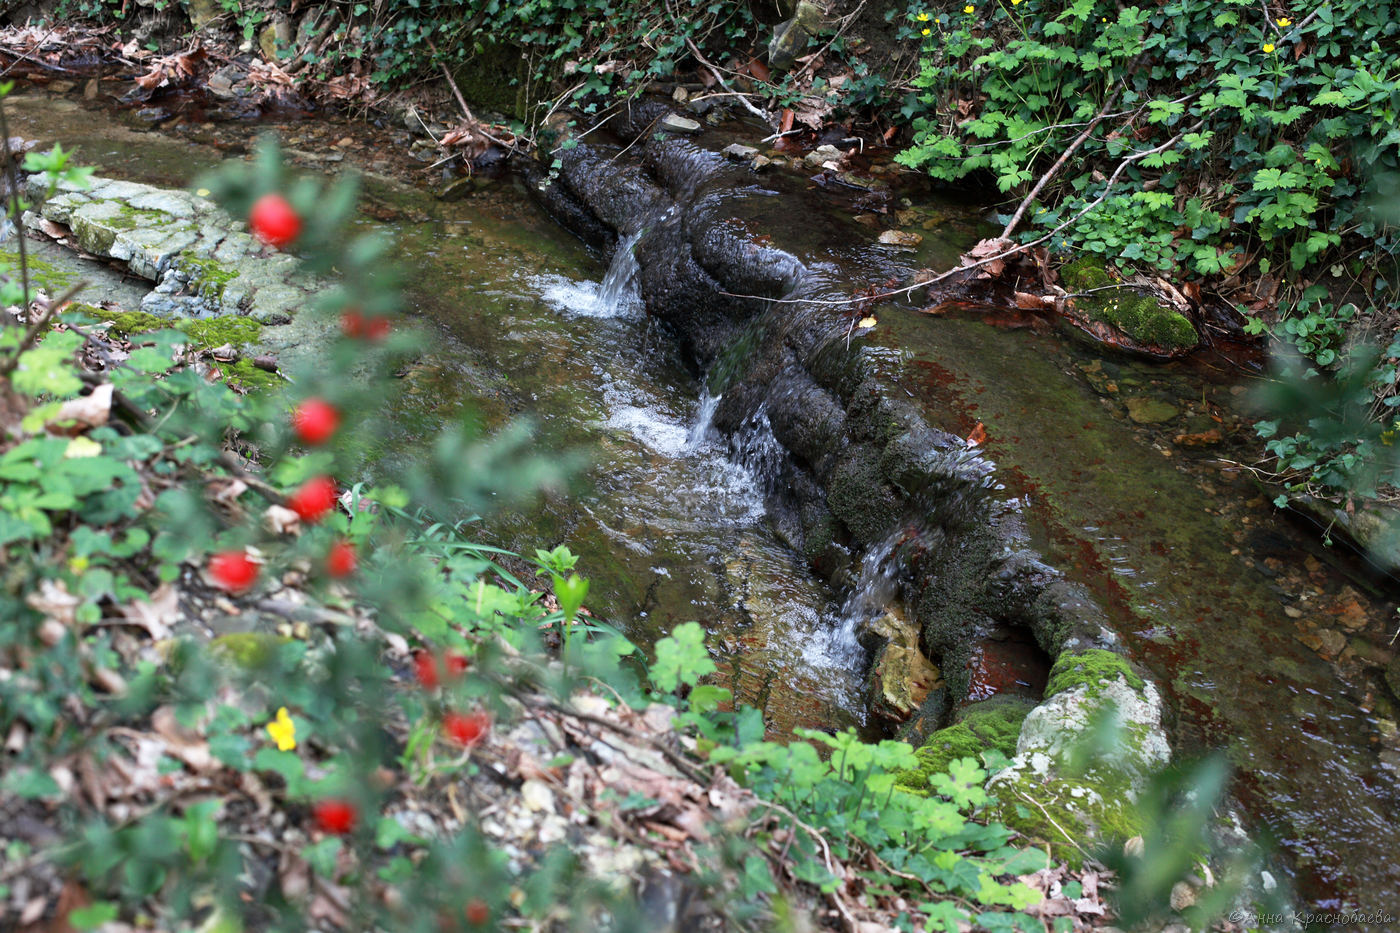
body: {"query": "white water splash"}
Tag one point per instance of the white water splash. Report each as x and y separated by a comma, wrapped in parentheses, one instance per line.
(875, 590)
(615, 297)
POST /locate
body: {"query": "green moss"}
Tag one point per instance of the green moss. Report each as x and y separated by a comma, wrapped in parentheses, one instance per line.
(248, 649)
(217, 331)
(993, 724)
(204, 334)
(206, 275)
(859, 497)
(1095, 667)
(42, 274)
(133, 218)
(1074, 817)
(1138, 316)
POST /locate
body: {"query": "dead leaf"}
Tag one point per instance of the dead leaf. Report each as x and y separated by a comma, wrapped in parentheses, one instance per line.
(156, 613)
(281, 520)
(978, 435)
(88, 411)
(54, 600)
(183, 744)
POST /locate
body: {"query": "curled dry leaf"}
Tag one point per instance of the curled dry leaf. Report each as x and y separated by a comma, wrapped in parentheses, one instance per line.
(281, 520)
(55, 602)
(157, 613)
(183, 744)
(978, 435)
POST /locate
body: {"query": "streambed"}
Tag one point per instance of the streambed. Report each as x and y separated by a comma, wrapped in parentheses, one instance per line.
(1237, 612)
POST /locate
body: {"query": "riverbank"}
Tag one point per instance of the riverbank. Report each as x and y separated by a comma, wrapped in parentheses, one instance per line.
(1311, 622)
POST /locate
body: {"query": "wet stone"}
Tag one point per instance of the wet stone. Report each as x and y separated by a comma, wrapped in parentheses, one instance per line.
(679, 124)
(1145, 410)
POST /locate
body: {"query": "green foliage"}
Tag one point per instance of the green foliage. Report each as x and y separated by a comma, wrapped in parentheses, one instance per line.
(926, 847)
(1240, 139)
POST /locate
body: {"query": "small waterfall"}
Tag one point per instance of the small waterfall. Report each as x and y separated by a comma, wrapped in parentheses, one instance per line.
(756, 447)
(615, 297)
(618, 292)
(875, 589)
(702, 430)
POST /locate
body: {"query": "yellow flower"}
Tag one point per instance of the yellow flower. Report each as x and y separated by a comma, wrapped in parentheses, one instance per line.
(1268, 48)
(1285, 22)
(283, 731)
(925, 33)
(969, 8)
(1105, 19)
(1015, 2)
(922, 17)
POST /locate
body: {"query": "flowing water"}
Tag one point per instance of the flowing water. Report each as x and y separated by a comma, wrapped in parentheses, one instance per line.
(1268, 644)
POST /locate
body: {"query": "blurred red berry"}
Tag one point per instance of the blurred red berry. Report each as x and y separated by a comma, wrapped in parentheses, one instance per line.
(466, 730)
(273, 221)
(425, 669)
(377, 328)
(315, 420)
(314, 499)
(478, 914)
(234, 571)
(341, 560)
(335, 816)
(456, 664)
(352, 324)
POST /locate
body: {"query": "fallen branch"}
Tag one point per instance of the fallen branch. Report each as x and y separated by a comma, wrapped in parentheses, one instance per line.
(714, 70)
(1019, 248)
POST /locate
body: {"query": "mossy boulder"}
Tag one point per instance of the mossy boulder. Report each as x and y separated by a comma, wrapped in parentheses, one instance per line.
(991, 725)
(1094, 668)
(248, 650)
(1064, 786)
(1141, 318)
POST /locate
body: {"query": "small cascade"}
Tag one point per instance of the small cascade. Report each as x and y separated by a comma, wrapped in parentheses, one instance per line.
(618, 291)
(703, 430)
(756, 447)
(875, 589)
(615, 297)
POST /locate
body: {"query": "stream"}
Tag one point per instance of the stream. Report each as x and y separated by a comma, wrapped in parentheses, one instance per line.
(1266, 642)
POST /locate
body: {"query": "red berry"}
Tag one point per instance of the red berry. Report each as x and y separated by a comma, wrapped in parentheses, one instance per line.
(335, 816)
(377, 328)
(315, 420)
(425, 669)
(341, 560)
(456, 664)
(466, 730)
(314, 499)
(234, 571)
(273, 221)
(352, 324)
(478, 914)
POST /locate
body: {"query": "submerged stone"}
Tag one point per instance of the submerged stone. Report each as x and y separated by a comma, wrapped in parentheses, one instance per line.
(1145, 410)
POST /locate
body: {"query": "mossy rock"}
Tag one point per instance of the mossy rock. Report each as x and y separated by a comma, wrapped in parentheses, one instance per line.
(1095, 667)
(249, 650)
(993, 724)
(204, 334)
(1138, 316)
(1075, 818)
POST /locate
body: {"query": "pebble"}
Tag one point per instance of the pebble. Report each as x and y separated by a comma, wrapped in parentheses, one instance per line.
(679, 124)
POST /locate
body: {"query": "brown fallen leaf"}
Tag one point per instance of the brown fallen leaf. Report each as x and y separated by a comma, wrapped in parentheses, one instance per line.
(183, 744)
(156, 613)
(978, 435)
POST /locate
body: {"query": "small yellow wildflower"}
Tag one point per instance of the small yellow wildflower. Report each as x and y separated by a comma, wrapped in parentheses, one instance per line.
(922, 17)
(1015, 2)
(283, 731)
(1284, 23)
(969, 9)
(1268, 48)
(1105, 19)
(925, 33)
